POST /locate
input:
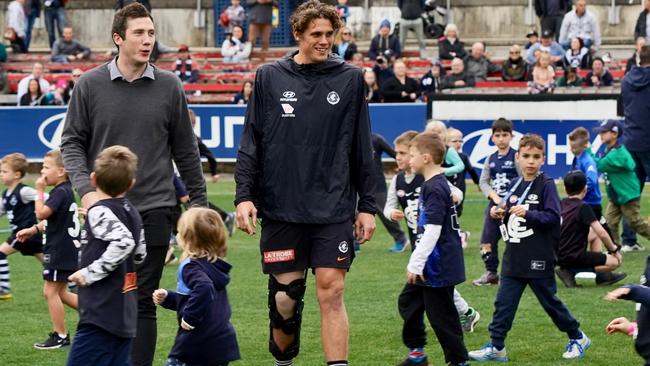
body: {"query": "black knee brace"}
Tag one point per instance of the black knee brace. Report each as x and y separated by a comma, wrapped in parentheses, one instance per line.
(296, 291)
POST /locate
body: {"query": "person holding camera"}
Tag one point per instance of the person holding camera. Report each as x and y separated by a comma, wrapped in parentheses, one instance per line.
(384, 41)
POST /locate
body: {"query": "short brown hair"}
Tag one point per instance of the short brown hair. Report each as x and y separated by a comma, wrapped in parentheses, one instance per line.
(580, 134)
(121, 18)
(17, 162)
(432, 144)
(202, 234)
(310, 11)
(534, 141)
(644, 56)
(56, 156)
(115, 169)
(502, 125)
(405, 138)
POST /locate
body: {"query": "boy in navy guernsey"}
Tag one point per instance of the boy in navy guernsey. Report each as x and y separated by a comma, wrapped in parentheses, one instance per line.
(60, 225)
(112, 243)
(402, 203)
(436, 265)
(18, 204)
(500, 169)
(578, 219)
(530, 223)
(205, 336)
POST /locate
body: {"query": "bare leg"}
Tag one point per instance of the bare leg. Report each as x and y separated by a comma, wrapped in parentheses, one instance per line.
(330, 288)
(51, 292)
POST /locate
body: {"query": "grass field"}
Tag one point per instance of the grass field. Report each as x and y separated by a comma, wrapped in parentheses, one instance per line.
(373, 285)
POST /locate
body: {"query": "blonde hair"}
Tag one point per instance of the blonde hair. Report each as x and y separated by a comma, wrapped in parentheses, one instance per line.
(451, 131)
(58, 159)
(580, 135)
(437, 127)
(115, 169)
(202, 234)
(17, 162)
(339, 35)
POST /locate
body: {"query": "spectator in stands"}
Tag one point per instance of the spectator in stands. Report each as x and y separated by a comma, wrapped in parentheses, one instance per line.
(450, 45)
(54, 13)
(411, 11)
(578, 56)
(344, 45)
(34, 94)
(431, 82)
(400, 88)
(384, 67)
(55, 95)
(16, 26)
(37, 73)
(245, 95)
(570, 79)
(235, 48)
(533, 37)
(260, 18)
(67, 92)
(635, 59)
(185, 68)
(373, 93)
(478, 65)
(580, 23)
(458, 78)
(599, 75)
(547, 44)
(543, 75)
(384, 41)
(33, 11)
(68, 49)
(551, 13)
(235, 14)
(642, 24)
(357, 59)
(343, 10)
(514, 68)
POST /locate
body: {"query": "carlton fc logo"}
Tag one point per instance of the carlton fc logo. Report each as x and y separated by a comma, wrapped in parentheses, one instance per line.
(50, 130)
(333, 98)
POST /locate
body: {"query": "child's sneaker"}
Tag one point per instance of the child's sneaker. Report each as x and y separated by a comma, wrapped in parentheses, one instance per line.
(229, 222)
(398, 247)
(53, 342)
(489, 353)
(576, 347)
(416, 357)
(464, 238)
(6, 295)
(468, 321)
(170, 257)
(488, 278)
(625, 248)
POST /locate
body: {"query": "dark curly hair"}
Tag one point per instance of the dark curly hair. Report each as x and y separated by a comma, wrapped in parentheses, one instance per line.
(311, 10)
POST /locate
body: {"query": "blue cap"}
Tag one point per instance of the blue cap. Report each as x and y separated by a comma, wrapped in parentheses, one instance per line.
(384, 24)
(610, 125)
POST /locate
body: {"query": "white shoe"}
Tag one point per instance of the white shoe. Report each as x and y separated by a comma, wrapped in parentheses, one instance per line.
(576, 347)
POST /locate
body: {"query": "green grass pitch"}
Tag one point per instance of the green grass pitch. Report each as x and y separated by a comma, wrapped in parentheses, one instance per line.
(372, 287)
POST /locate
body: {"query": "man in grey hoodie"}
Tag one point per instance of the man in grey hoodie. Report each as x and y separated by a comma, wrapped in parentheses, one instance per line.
(478, 65)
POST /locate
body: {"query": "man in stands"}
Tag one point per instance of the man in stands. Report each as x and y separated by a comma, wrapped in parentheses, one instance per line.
(68, 49)
(580, 23)
(478, 65)
(37, 73)
(551, 13)
(383, 42)
(411, 20)
(458, 78)
(642, 24)
(547, 44)
(186, 69)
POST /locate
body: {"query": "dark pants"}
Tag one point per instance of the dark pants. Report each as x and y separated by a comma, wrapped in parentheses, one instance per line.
(94, 346)
(642, 160)
(553, 23)
(31, 19)
(438, 303)
(51, 16)
(491, 235)
(157, 229)
(393, 227)
(507, 301)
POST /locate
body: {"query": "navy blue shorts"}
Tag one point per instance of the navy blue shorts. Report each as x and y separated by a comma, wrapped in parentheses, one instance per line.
(290, 247)
(94, 346)
(31, 246)
(491, 233)
(56, 275)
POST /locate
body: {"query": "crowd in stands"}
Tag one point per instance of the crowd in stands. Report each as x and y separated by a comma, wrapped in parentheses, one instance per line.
(564, 53)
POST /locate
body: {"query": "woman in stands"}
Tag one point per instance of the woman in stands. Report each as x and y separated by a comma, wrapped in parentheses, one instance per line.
(344, 45)
(235, 48)
(34, 96)
(450, 45)
(244, 96)
(371, 89)
(578, 56)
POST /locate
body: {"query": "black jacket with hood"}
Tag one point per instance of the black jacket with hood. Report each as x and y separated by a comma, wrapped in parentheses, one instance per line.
(306, 152)
(635, 91)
